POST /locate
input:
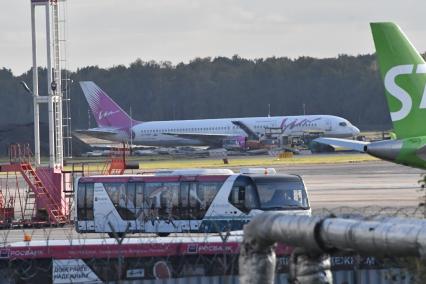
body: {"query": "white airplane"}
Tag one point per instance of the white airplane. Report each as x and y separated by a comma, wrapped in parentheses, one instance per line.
(116, 125)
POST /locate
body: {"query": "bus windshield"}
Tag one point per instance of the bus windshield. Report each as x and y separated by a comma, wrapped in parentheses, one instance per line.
(281, 194)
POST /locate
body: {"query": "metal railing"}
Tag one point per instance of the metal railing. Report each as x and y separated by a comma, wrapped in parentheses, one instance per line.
(315, 238)
(146, 258)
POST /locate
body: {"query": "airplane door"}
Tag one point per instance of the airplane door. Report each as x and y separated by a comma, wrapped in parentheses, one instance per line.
(328, 125)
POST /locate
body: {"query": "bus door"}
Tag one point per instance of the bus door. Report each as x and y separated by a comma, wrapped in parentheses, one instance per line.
(85, 215)
(190, 206)
(134, 206)
(160, 207)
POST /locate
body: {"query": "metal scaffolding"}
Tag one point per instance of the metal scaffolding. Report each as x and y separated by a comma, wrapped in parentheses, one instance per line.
(57, 83)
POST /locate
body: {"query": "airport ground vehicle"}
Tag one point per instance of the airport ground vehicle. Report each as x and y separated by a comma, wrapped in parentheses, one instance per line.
(193, 200)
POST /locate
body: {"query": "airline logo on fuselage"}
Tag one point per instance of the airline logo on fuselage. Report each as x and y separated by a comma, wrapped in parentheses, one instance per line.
(106, 114)
(399, 93)
(286, 125)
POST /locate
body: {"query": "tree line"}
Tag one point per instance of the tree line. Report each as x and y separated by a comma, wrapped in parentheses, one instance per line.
(347, 86)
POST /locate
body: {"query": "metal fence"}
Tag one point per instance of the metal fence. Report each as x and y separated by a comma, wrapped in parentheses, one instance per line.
(60, 255)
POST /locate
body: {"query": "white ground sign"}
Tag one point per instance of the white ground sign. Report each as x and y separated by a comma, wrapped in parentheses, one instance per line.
(72, 271)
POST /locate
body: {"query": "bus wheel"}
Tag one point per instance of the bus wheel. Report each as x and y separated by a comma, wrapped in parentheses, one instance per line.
(163, 234)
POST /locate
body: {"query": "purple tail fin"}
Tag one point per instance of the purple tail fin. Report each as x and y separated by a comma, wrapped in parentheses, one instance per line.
(107, 113)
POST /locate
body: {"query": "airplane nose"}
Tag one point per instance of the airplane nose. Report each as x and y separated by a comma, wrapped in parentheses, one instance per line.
(355, 131)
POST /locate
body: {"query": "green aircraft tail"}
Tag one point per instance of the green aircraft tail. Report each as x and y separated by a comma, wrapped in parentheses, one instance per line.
(403, 72)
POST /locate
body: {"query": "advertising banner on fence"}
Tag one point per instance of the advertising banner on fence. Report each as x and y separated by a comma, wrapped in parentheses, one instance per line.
(72, 271)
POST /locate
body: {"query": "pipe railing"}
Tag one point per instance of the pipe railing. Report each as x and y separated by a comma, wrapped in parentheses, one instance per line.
(315, 237)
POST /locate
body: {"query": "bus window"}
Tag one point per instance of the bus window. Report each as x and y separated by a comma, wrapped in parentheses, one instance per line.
(195, 210)
(190, 203)
(113, 191)
(85, 202)
(89, 201)
(183, 201)
(130, 201)
(117, 192)
(139, 199)
(243, 194)
(207, 192)
(162, 199)
(169, 200)
(151, 199)
(81, 195)
(184, 193)
(281, 193)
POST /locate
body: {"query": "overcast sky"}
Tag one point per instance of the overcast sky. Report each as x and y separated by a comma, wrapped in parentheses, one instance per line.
(113, 32)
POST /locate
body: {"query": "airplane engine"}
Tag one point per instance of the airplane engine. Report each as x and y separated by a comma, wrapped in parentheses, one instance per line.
(404, 151)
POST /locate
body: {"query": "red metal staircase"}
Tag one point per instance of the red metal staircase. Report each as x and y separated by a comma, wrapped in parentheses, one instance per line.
(117, 161)
(21, 154)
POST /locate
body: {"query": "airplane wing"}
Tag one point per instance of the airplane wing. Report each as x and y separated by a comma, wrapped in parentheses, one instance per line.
(209, 139)
(345, 143)
(97, 132)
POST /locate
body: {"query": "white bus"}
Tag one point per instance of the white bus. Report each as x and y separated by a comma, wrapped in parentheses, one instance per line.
(192, 200)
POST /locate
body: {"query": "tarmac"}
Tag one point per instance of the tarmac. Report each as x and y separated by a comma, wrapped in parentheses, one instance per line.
(373, 183)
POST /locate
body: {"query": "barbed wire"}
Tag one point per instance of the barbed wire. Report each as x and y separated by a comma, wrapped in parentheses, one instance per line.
(56, 254)
(178, 256)
(373, 211)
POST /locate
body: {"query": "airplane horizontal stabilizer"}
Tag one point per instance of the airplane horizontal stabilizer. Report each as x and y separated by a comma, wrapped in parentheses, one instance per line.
(345, 143)
(97, 132)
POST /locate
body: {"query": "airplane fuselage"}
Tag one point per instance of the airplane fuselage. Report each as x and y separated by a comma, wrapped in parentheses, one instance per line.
(166, 133)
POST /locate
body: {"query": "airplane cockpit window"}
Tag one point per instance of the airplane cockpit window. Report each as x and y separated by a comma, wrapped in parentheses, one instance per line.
(342, 123)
